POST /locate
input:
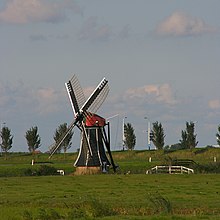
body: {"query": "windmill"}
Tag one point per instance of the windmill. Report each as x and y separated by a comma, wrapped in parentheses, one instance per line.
(95, 139)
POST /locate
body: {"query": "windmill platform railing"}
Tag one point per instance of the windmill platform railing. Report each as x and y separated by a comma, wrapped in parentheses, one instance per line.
(170, 170)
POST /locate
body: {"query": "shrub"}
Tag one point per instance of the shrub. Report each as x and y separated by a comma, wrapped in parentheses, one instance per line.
(29, 172)
(45, 170)
(209, 168)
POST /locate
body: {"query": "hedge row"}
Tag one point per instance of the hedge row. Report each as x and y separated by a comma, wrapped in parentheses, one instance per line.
(42, 170)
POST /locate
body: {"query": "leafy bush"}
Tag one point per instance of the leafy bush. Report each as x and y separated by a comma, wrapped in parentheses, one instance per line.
(201, 150)
(173, 147)
(209, 168)
(43, 170)
(29, 172)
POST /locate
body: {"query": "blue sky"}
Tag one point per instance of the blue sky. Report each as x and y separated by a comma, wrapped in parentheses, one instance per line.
(161, 59)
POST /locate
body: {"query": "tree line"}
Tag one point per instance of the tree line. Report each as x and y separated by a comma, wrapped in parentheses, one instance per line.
(33, 139)
(157, 136)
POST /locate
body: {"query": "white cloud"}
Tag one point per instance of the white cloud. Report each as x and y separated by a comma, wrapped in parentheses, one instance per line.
(214, 104)
(48, 100)
(25, 11)
(182, 24)
(18, 98)
(153, 100)
(155, 93)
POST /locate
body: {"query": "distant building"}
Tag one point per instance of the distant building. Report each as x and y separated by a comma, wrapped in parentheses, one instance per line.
(37, 152)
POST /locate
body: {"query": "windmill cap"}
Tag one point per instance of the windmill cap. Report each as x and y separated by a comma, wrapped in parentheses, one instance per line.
(94, 120)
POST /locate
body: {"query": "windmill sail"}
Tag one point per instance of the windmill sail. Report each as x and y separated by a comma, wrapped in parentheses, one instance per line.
(55, 146)
(76, 95)
(77, 100)
(97, 97)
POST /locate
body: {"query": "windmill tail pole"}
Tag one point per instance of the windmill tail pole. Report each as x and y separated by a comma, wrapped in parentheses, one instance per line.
(109, 149)
(107, 143)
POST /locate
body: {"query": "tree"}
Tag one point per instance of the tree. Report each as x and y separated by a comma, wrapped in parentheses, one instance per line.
(59, 133)
(183, 142)
(218, 136)
(158, 135)
(130, 137)
(191, 137)
(33, 139)
(188, 137)
(7, 140)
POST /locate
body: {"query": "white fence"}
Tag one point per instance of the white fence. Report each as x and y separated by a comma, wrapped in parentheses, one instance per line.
(170, 170)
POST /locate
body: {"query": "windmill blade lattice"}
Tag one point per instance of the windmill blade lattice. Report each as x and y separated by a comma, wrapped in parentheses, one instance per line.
(79, 105)
(99, 100)
(96, 99)
(76, 95)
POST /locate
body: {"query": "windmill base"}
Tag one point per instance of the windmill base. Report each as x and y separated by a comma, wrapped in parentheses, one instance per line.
(87, 170)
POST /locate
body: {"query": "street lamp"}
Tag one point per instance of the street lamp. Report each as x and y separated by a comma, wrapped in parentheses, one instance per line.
(123, 132)
(148, 133)
(1, 131)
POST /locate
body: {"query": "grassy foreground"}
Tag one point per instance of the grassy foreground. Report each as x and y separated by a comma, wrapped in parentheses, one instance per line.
(136, 196)
(111, 196)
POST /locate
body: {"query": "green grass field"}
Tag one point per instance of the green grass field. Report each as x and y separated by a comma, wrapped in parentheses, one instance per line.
(109, 196)
(135, 196)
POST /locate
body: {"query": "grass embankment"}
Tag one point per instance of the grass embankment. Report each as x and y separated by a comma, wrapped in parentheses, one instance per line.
(138, 161)
(129, 161)
(18, 164)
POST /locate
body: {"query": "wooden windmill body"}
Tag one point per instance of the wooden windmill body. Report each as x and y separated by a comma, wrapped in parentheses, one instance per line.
(95, 141)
